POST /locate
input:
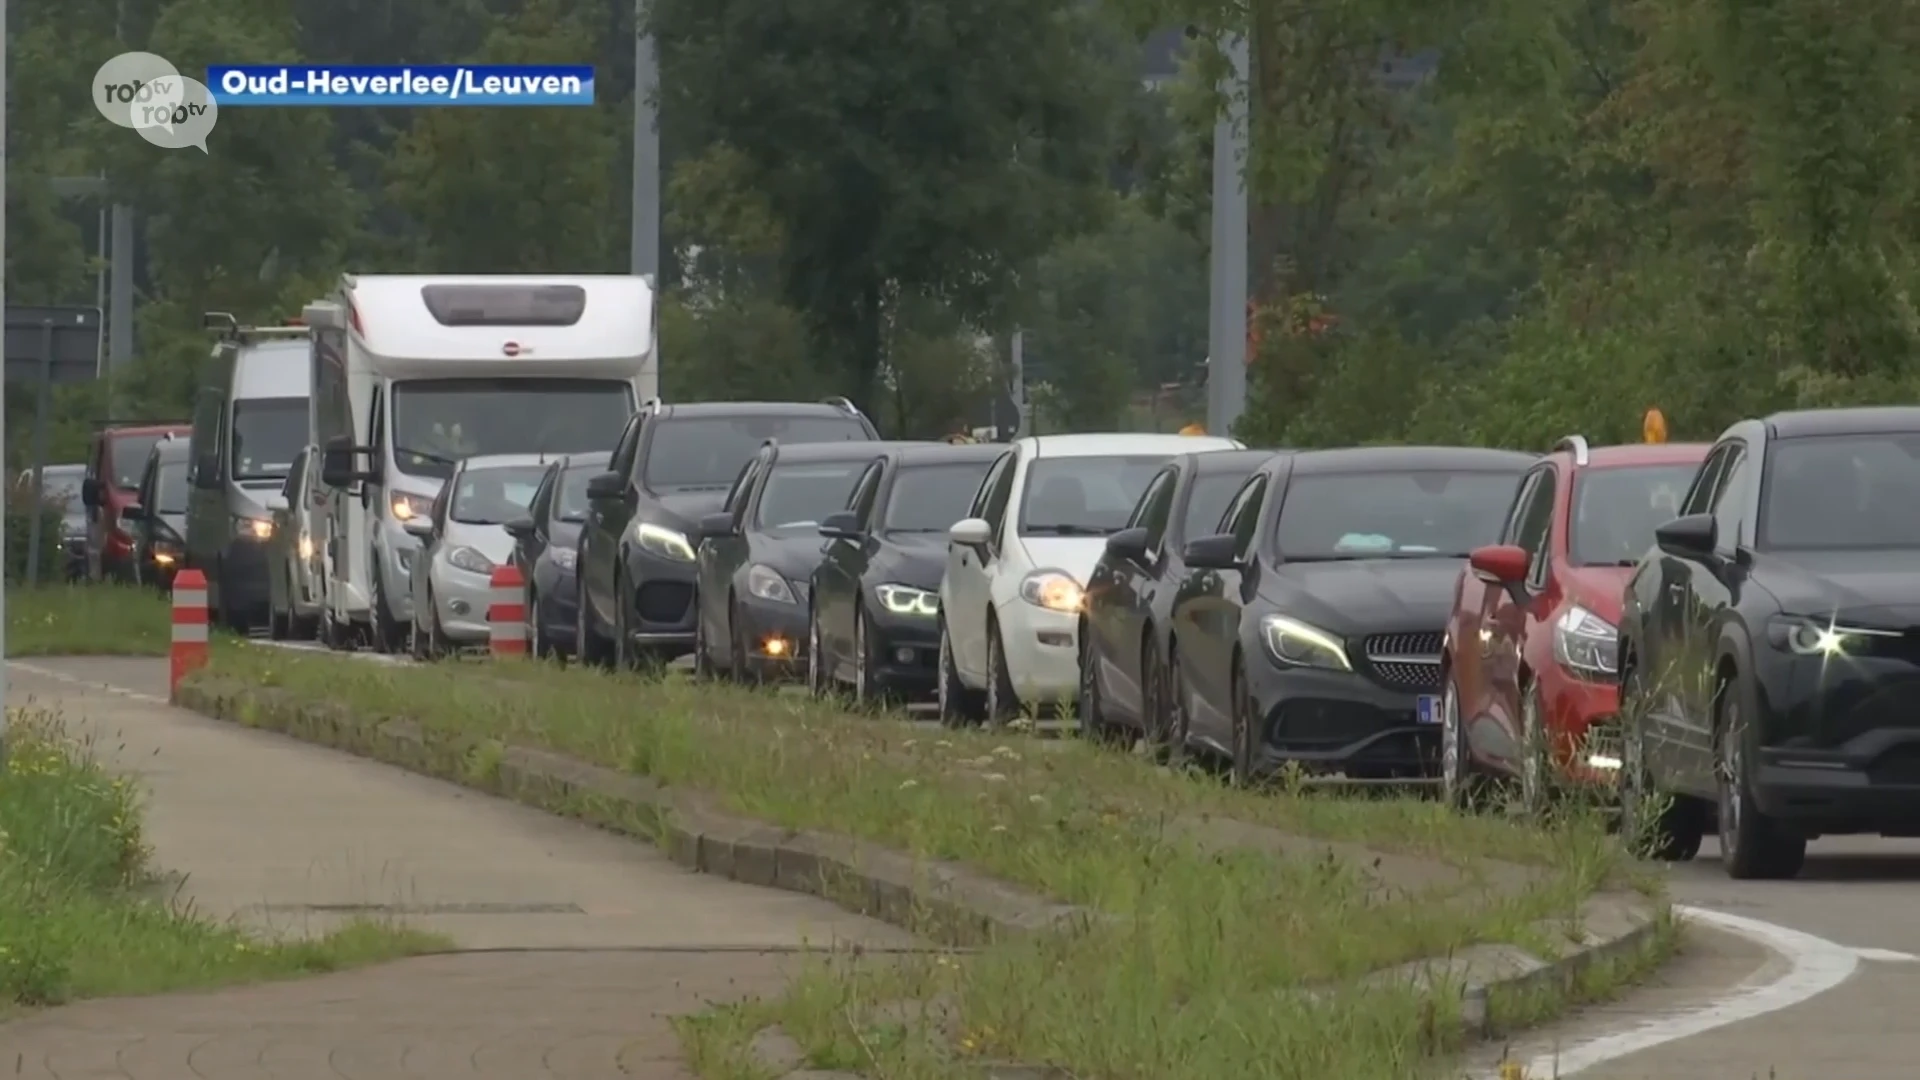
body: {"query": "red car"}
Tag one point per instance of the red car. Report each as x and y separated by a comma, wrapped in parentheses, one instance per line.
(114, 464)
(1530, 658)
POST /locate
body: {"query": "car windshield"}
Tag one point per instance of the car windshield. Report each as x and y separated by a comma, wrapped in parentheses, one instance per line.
(58, 483)
(708, 452)
(130, 459)
(494, 496)
(1413, 513)
(1209, 500)
(268, 433)
(1841, 492)
(438, 422)
(1085, 496)
(1615, 510)
(570, 502)
(171, 485)
(930, 498)
(804, 492)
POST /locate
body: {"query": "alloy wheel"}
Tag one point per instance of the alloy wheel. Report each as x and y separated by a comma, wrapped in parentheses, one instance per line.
(1533, 749)
(863, 696)
(816, 668)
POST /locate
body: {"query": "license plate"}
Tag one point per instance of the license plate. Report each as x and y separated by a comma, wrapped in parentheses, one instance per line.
(1426, 709)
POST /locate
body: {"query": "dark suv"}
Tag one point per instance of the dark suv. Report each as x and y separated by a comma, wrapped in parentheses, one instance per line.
(672, 466)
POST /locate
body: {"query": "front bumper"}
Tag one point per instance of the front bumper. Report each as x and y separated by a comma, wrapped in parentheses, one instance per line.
(661, 601)
(243, 576)
(907, 648)
(775, 635)
(557, 603)
(461, 599)
(1582, 721)
(1040, 647)
(394, 551)
(1868, 784)
(1341, 722)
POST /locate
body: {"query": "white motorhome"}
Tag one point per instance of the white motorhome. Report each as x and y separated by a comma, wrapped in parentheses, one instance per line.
(414, 373)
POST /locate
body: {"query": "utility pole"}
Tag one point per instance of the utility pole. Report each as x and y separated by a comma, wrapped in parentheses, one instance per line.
(1227, 325)
(646, 163)
(4, 484)
(120, 291)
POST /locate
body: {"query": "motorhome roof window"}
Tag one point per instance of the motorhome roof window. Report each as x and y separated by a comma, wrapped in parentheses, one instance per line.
(505, 305)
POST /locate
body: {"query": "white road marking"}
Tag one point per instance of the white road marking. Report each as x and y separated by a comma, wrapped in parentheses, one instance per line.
(90, 684)
(1817, 966)
(1887, 956)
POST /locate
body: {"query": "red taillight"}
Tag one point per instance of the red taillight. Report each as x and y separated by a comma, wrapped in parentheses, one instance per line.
(296, 321)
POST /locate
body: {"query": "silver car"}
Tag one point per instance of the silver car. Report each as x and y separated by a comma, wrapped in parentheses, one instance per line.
(293, 559)
(462, 540)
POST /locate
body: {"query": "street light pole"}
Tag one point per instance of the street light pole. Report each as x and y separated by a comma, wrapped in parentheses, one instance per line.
(646, 163)
(1227, 325)
(4, 485)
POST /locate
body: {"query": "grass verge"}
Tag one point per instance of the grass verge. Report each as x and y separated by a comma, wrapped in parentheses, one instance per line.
(1205, 974)
(73, 920)
(87, 620)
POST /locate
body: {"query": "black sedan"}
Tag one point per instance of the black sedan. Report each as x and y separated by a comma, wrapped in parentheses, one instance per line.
(1770, 645)
(1130, 594)
(757, 556)
(1308, 630)
(874, 622)
(546, 544)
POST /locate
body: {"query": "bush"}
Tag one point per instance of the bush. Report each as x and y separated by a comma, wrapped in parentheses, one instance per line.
(19, 524)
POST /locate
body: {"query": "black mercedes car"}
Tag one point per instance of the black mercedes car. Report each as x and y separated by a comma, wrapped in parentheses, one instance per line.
(758, 552)
(1308, 630)
(1129, 595)
(874, 622)
(545, 544)
(1770, 645)
(673, 465)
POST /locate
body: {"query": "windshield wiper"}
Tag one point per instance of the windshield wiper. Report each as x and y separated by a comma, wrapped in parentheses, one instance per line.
(410, 451)
(1068, 530)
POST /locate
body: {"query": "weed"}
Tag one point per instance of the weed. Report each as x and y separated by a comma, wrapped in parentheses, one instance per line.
(88, 620)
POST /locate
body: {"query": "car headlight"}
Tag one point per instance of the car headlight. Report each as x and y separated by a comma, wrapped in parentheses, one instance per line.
(468, 559)
(1822, 637)
(907, 600)
(562, 557)
(407, 507)
(1585, 643)
(1291, 641)
(1054, 590)
(306, 547)
(664, 542)
(765, 583)
(249, 528)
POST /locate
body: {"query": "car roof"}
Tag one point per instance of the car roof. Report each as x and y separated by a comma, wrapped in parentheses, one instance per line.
(1234, 461)
(1626, 454)
(172, 449)
(1107, 444)
(505, 461)
(847, 450)
(756, 408)
(591, 457)
(144, 429)
(1866, 420)
(1358, 459)
(938, 453)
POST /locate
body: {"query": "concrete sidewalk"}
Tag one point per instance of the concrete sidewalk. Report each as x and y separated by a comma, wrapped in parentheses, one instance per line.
(293, 838)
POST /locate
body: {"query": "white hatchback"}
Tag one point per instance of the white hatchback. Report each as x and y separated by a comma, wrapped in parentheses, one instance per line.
(1016, 565)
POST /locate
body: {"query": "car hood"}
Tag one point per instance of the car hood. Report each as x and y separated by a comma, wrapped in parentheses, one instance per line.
(792, 553)
(175, 523)
(1074, 554)
(492, 541)
(1598, 588)
(564, 535)
(1871, 588)
(683, 509)
(916, 559)
(1366, 596)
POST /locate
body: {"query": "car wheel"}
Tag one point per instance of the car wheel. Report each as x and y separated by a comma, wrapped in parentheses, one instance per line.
(277, 625)
(1459, 784)
(1088, 709)
(1536, 781)
(739, 663)
(1175, 721)
(385, 629)
(537, 641)
(624, 657)
(1245, 767)
(817, 681)
(1003, 703)
(417, 640)
(959, 705)
(589, 647)
(867, 691)
(1752, 845)
(702, 662)
(1653, 824)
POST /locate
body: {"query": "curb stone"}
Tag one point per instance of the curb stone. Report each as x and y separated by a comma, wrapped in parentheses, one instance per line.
(945, 901)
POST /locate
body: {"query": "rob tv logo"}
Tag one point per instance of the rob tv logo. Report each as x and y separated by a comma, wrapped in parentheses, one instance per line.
(146, 93)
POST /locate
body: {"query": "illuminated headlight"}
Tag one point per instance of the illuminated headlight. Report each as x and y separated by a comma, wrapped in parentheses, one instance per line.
(1586, 644)
(1303, 644)
(247, 528)
(407, 507)
(562, 557)
(907, 600)
(466, 558)
(306, 547)
(664, 542)
(1052, 589)
(1820, 637)
(765, 583)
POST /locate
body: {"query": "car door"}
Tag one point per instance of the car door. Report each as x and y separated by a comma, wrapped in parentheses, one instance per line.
(1207, 623)
(1120, 598)
(1669, 658)
(843, 567)
(420, 581)
(526, 551)
(606, 523)
(720, 557)
(1503, 625)
(1712, 582)
(966, 592)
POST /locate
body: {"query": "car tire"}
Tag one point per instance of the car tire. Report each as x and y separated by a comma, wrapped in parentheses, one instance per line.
(819, 682)
(1003, 702)
(277, 625)
(1653, 824)
(960, 705)
(383, 628)
(1088, 709)
(436, 640)
(589, 647)
(739, 664)
(1536, 762)
(417, 640)
(1461, 786)
(1245, 765)
(1753, 846)
(624, 657)
(868, 693)
(538, 644)
(1175, 722)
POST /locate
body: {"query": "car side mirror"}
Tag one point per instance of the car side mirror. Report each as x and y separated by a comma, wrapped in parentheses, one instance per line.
(133, 512)
(971, 532)
(1129, 544)
(418, 526)
(90, 492)
(608, 485)
(844, 525)
(1505, 565)
(338, 464)
(520, 528)
(1691, 537)
(716, 525)
(1219, 552)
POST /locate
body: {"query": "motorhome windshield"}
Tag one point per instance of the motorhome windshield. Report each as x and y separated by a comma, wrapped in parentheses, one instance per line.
(438, 422)
(268, 433)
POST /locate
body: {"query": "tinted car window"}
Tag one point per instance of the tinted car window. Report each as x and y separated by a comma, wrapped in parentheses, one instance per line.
(708, 451)
(1842, 491)
(437, 422)
(931, 498)
(494, 496)
(130, 458)
(1080, 496)
(1369, 515)
(570, 502)
(1616, 510)
(172, 488)
(1209, 500)
(267, 435)
(804, 492)
(58, 483)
